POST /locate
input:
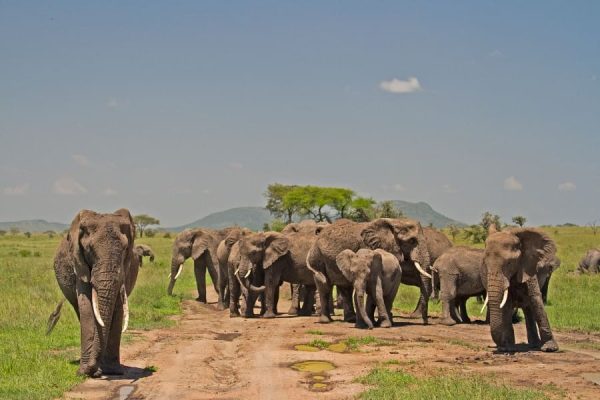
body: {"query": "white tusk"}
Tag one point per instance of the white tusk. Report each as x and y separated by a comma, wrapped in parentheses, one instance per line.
(484, 304)
(169, 277)
(125, 309)
(247, 273)
(236, 271)
(95, 307)
(504, 298)
(179, 271)
(421, 270)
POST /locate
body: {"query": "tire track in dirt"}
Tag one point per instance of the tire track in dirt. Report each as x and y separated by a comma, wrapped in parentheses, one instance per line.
(211, 356)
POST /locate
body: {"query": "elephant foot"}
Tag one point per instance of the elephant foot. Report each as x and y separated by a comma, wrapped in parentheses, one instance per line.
(234, 314)
(293, 311)
(550, 346)
(269, 314)
(324, 319)
(113, 369)
(91, 371)
(220, 307)
(386, 323)
(415, 314)
(350, 318)
(447, 321)
(510, 348)
(201, 299)
(363, 325)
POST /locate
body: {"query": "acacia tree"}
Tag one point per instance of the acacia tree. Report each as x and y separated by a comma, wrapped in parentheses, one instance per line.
(144, 220)
(454, 231)
(275, 195)
(594, 226)
(519, 220)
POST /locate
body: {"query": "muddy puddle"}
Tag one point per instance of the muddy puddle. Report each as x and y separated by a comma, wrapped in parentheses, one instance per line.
(316, 371)
(339, 347)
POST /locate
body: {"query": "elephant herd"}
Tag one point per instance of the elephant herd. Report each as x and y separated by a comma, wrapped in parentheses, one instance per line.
(97, 263)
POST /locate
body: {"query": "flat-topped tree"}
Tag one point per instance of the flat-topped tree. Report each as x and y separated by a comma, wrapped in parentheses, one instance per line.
(142, 221)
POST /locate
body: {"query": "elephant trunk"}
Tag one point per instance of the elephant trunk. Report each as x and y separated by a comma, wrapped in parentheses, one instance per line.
(500, 323)
(244, 273)
(107, 287)
(422, 261)
(360, 300)
(176, 269)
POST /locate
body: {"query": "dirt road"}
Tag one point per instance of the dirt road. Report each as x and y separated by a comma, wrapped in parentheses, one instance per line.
(211, 356)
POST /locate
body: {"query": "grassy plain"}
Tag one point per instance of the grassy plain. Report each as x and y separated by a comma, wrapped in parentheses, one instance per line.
(35, 366)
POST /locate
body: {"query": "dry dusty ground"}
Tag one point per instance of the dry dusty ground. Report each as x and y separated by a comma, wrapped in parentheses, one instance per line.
(211, 356)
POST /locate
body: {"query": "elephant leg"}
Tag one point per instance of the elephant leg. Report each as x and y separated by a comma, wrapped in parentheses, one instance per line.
(90, 338)
(349, 313)
(533, 338)
(377, 291)
(537, 306)
(111, 361)
(362, 320)
(271, 292)
(295, 306)
(222, 292)
(213, 272)
(200, 274)
(324, 290)
(234, 294)
(447, 296)
(464, 315)
(339, 300)
(454, 312)
(309, 300)
(371, 310)
(276, 299)
(418, 311)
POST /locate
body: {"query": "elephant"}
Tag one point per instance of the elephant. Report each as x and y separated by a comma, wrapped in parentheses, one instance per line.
(281, 258)
(404, 238)
(249, 290)
(96, 269)
(143, 250)
(298, 291)
(590, 263)
(376, 273)
(223, 252)
(201, 245)
(460, 275)
(512, 259)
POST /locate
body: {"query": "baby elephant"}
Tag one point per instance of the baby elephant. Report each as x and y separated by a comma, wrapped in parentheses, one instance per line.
(376, 273)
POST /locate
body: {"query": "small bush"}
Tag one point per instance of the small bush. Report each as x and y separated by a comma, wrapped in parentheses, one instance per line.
(25, 253)
(28, 234)
(2, 233)
(167, 235)
(150, 233)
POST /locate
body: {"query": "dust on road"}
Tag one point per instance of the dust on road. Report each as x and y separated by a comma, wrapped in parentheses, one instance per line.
(211, 356)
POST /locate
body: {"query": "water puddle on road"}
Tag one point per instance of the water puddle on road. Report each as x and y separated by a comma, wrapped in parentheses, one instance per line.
(316, 373)
(339, 347)
(306, 347)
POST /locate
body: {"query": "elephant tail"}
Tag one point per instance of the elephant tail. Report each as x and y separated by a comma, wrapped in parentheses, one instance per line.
(54, 317)
(318, 274)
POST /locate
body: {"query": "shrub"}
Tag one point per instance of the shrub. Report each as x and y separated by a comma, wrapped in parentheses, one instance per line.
(167, 235)
(28, 234)
(150, 232)
(2, 233)
(25, 253)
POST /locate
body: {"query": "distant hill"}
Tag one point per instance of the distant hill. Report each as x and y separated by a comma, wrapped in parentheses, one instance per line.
(425, 214)
(34, 225)
(255, 217)
(250, 217)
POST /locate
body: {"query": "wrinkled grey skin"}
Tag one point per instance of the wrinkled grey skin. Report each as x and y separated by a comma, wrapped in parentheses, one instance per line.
(458, 273)
(223, 252)
(404, 238)
(512, 259)
(590, 263)
(97, 255)
(281, 258)
(299, 292)
(201, 245)
(373, 273)
(236, 289)
(143, 250)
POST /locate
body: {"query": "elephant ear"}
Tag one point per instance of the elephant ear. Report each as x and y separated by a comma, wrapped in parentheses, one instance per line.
(388, 259)
(76, 232)
(232, 238)
(344, 261)
(277, 245)
(128, 229)
(537, 250)
(379, 234)
(200, 243)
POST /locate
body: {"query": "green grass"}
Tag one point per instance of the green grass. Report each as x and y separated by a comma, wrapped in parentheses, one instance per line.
(355, 342)
(35, 366)
(571, 296)
(319, 344)
(314, 332)
(388, 384)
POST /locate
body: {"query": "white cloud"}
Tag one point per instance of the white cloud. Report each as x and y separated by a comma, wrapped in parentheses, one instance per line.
(236, 165)
(496, 53)
(112, 103)
(567, 187)
(81, 160)
(109, 192)
(511, 183)
(68, 186)
(398, 86)
(18, 190)
(448, 188)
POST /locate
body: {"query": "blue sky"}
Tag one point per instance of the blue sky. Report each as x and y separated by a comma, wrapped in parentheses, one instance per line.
(180, 109)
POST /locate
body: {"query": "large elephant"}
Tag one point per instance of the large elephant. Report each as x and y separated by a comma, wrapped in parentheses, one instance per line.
(590, 263)
(96, 270)
(377, 274)
(281, 258)
(404, 238)
(249, 289)
(512, 259)
(460, 275)
(201, 245)
(143, 250)
(223, 252)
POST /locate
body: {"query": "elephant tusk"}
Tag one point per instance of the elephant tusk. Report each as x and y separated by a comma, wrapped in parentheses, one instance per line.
(95, 307)
(504, 298)
(247, 274)
(236, 272)
(484, 304)
(179, 271)
(125, 309)
(421, 270)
